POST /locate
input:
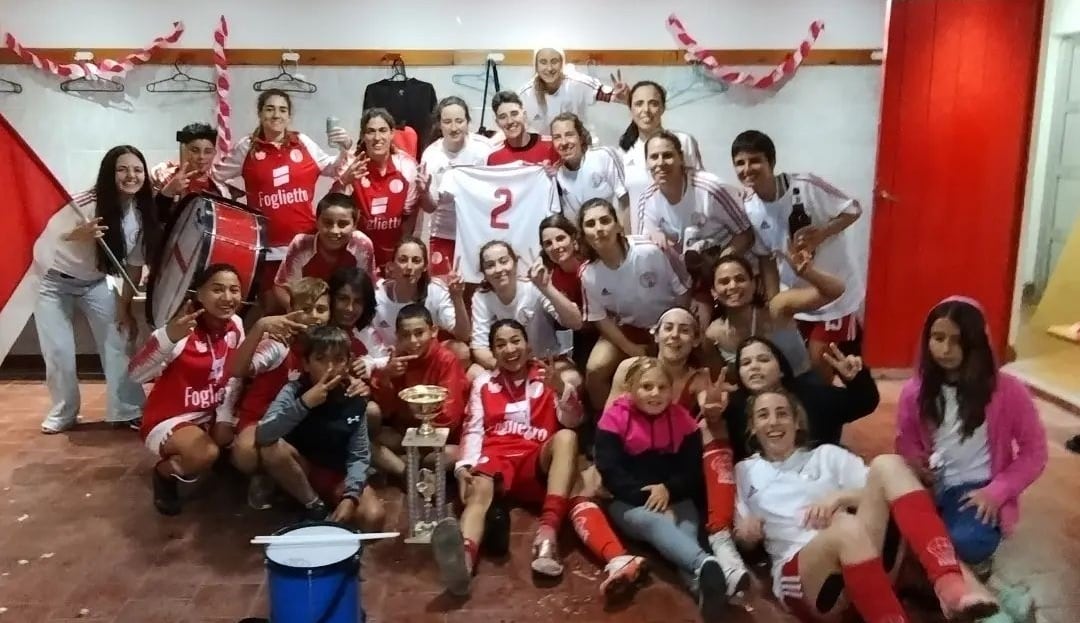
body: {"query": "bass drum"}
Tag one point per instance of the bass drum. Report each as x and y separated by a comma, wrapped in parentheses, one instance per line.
(204, 230)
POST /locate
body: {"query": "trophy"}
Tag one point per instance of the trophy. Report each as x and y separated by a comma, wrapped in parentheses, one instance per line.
(424, 485)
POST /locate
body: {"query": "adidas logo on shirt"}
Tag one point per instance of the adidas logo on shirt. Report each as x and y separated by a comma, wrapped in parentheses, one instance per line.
(605, 292)
(281, 175)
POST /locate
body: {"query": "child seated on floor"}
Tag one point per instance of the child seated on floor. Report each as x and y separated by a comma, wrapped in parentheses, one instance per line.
(313, 440)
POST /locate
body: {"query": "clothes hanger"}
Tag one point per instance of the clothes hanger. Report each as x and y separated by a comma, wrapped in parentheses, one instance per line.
(397, 68)
(181, 82)
(477, 80)
(7, 86)
(700, 86)
(286, 80)
(91, 85)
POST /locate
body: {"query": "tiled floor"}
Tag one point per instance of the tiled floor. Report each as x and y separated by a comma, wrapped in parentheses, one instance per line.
(80, 541)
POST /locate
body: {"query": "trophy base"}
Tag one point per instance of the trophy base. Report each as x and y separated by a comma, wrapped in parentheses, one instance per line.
(421, 534)
(420, 539)
(413, 438)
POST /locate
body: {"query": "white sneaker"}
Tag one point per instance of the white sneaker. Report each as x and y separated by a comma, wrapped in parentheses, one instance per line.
(735, 574)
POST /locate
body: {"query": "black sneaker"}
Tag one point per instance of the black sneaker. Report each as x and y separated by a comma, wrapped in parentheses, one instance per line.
(496, 541)
(316, 511)
(166, 494)
(448, 547)
(712, 590)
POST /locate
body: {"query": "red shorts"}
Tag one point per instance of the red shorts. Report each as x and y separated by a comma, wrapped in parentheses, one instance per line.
(522, 478)
(441, 256)
(328, 483)
(791, 592)
(845, 329)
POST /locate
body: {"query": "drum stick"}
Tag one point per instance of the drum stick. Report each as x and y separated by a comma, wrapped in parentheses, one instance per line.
(109, 254)
(323, 539)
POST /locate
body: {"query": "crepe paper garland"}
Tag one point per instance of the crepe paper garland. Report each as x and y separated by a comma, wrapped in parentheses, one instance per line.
(696, 54)
(105, 69)
(221, 78)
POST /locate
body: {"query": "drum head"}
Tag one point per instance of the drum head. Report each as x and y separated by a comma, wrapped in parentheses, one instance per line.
(312, 556)
(178, 263)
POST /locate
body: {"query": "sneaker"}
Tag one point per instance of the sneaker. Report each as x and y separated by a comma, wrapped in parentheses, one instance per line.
(315, 511)
(712, 590)
(132, 424)
(166, 494)
(260, 491)
(545, 554)
(963, 599)
(736, 576)
(53, 426)
(623, 574)
(448, 547)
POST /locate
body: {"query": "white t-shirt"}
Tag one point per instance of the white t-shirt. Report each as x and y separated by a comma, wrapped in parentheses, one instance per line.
(709, 213)
(488, 200)
(836, 256)
(436, 160)
(79, 259)
(644, 286)
(437, 302)
(575, 94)
(780, 493)
(529, 307)
(637, 173)
(956, 460)
(600, 174)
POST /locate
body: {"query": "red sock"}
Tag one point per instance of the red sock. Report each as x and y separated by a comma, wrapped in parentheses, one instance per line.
(472, 552)
(593, 529)
(869, 589)
(719, 468)
(922, 528)
(553, 512)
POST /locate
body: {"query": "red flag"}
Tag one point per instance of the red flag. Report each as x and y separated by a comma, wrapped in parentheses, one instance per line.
(31, 196)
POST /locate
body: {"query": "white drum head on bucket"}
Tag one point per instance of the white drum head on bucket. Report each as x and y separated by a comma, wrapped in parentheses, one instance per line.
(312, 555)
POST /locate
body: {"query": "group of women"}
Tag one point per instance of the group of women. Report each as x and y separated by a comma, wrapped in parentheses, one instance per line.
(660, 366)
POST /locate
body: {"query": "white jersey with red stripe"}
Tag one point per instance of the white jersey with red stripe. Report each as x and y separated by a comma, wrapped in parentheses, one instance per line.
(636, 293)
(636, 170)
(302, 259)
(437, 301)
(488, 200)
(437, 160)
(370, 347)
(575, 94)
(779, 493)
(512, 417)
(709, 214)
(599, 175)
(190, 374)
(529, 307)
(836, 256)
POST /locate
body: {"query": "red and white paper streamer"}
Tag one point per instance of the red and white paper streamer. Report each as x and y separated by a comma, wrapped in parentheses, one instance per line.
(696, 54)
(221, 78)
(107, 68)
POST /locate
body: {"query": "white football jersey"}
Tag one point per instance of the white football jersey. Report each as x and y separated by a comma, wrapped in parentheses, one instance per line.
(836, 256)
(529, 307)
(780, 493)
(437, 302)
(600, 174)
(644, 286)
(488, 200)
(709, 214)
(436, 160)
(637, 173)
(575, 94)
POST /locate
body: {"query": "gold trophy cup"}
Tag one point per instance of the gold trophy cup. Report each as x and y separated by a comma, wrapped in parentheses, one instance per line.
(426, 402)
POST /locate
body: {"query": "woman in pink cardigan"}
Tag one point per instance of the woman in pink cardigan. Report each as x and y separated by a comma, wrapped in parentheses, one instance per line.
(969, 430)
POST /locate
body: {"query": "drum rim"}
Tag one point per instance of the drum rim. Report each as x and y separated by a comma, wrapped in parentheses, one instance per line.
(347, 561)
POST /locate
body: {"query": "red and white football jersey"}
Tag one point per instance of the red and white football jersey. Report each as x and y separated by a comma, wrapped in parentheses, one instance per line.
(488, 200)
(367, 345)
(437, 161)
(600, 175)
(279, 181)
(638, 178)
(304, 258)
(709, 213)
(644, 286)
(507, 417)
(575, 94)
(272, 366)
(191, 376)
(437, 300)
(538, 150)
(385, 199)
(529, 307)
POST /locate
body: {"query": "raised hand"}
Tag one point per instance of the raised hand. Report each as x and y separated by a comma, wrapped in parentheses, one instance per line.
(620, 90)
(714, 399)
(800, 257)
(398, 363)
(423, 178)
(183, 322)
(540, 275)
(810, 237)
(179, 182)
(454, 282)
(88, 231)
(357, 387)
(340, 137)
(358, 368)
(321, 389)
(550, 376)
(282, 328)
(847, 366)
(357, 170)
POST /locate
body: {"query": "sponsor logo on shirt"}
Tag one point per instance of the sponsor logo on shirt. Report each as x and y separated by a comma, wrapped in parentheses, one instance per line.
(597, 180)
(396, 186)
(202, 399)
(383, 224)
(378, 205)
(525, 431)
(281, 175)
(296, 155)
(281, 197)
(260, 155)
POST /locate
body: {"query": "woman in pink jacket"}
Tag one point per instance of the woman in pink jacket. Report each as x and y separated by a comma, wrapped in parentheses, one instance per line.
(969, 430)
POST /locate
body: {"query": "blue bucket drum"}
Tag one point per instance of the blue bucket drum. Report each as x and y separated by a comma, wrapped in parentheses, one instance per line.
(314, 582)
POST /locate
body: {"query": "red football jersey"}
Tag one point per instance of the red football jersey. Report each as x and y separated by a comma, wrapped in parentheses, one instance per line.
(385, 199)
(539, 150)
(273, 365)
(508, 417)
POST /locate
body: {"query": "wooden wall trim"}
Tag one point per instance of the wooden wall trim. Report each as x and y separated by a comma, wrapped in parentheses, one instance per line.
(437, 58)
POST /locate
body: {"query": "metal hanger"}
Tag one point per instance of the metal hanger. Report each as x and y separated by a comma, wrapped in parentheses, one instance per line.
(7, 86)
(91, 85)
(397, 67)
(286, 81)
(700, 86)
(181, 82)
(477, 81)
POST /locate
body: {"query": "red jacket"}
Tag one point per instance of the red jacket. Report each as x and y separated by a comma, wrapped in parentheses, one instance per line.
(439, 367)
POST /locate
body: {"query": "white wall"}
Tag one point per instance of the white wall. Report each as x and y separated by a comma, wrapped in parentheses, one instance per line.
(825, 120)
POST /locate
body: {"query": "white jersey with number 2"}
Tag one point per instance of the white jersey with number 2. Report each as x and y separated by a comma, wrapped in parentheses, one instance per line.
(488, 200)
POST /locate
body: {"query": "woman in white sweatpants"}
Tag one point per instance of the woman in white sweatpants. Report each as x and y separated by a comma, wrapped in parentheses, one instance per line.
(124, 219)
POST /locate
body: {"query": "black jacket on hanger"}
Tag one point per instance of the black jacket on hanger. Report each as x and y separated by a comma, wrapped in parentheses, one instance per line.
(412, 102)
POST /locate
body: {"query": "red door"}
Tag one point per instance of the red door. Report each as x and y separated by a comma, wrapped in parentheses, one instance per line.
(952, 160)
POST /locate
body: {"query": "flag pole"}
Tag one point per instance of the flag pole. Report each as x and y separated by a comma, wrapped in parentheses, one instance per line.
(108, 252)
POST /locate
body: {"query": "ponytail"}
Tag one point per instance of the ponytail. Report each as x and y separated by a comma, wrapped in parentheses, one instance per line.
(629, 137)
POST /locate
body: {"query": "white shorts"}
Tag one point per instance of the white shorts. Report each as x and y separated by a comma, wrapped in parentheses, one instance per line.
(160, 433)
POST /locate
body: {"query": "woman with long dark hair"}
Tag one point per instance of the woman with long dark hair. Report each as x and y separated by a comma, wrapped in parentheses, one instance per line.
(119, 215)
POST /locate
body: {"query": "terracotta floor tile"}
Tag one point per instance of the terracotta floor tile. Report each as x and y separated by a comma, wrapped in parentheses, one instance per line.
(224, 600)
(26, 613)
(155, 611)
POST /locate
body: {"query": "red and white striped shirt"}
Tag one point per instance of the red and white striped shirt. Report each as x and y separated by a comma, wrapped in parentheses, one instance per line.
(575, 94)
(305, 258)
